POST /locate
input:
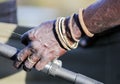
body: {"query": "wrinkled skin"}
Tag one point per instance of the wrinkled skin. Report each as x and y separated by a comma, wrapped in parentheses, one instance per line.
(41, 47)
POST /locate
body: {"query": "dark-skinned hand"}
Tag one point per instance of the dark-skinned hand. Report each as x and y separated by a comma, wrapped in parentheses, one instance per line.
(41, 47)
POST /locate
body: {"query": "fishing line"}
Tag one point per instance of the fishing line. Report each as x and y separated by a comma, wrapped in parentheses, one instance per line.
(12, 32)
(17, 34)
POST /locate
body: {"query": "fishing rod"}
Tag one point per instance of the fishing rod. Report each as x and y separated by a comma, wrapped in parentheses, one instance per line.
(53, 68)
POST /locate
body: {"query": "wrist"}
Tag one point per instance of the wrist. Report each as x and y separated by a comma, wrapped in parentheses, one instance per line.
(73, 27)
(68, 31)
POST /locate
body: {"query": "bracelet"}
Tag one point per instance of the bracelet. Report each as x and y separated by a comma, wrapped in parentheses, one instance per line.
(64, 42)
(70, 28)
(70, 45)
(61, 33)
(85, 29)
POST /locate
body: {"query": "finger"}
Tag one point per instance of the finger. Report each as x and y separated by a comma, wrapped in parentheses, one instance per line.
(22, 55)
(47, 56)
(37, 50)
(30, 62)
(43, 61)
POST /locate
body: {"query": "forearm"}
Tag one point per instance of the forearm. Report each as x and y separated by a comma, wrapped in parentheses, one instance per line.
(102, 15)
(97, 18)
(52, 39)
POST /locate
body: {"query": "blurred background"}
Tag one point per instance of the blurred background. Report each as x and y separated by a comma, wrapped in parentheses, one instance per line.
(87, 61)
(33, 12)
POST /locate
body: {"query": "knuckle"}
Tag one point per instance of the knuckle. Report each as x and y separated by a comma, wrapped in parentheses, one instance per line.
(32, 34)
(35, 46)
(20, 56)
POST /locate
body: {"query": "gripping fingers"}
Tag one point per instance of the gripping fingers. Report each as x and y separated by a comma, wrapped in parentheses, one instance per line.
(22, 55)
(30, 62)
(43, 61)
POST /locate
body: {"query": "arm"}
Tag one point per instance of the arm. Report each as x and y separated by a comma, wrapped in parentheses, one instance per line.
(102, 15)
(48, 41)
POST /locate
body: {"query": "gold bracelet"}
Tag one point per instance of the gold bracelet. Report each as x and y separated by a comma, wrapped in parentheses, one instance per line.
(71, 30)
(59, 33)
(85, 29)
(71, 46)
(62, 19)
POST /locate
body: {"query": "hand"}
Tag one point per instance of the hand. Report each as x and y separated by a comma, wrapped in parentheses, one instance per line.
(41, 47)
